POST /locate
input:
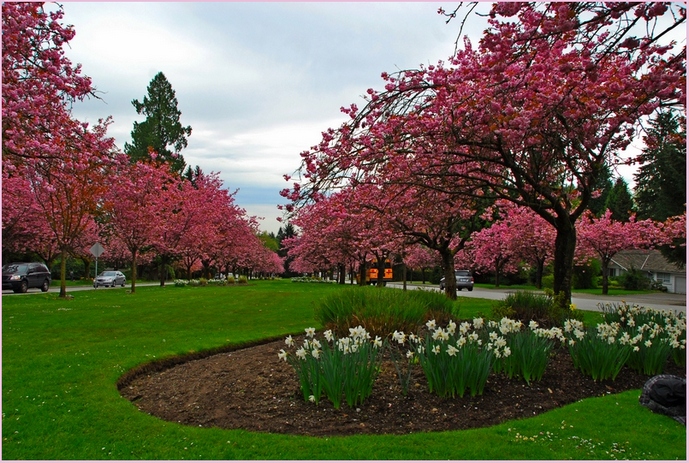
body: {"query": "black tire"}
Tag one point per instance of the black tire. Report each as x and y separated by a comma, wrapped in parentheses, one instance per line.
(471, 289)
(23, 287)
(124, 283)
(45, 286)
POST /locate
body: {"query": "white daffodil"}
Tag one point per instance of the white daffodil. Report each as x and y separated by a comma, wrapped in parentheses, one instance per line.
(410, 354)
(289, 341)
(464, 327)
(451, 327)
(310, 332)
(312, 398)
(399, 337)
(436, 349)
(430, 324)
(301, 353)
(282, 355)
(533, 325)
(315, 353)
(328, 335)
(452, 351)
(478, 323)
(378, 342)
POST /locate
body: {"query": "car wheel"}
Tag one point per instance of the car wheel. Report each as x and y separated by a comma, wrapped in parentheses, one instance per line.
(23, 287)
(471, 289)
(124, 283)
(45, 286)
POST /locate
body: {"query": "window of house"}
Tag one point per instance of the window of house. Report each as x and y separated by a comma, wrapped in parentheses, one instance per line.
(663, 278)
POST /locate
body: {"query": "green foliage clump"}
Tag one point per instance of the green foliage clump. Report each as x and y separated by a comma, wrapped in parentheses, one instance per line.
(230, 280)
(243, 280)
(545, 308)
(381, 311)
(635, 279)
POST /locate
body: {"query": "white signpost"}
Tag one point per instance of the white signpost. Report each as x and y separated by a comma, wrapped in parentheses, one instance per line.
(96, 250)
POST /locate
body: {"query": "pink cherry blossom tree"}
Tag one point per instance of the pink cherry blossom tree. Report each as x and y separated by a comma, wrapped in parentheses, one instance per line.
(552, 94)
(604, 237)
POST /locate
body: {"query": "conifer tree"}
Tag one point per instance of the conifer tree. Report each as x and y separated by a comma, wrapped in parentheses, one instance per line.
(161, 132)
(661, 179)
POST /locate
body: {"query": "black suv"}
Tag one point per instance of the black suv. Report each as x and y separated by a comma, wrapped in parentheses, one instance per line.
(21, 276)
(464, 280)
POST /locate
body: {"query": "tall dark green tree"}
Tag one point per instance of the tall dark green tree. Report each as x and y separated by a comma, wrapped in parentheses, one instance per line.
(619, 201)
(603, 185)
(661, 180)
(661, 190)
(162, 130)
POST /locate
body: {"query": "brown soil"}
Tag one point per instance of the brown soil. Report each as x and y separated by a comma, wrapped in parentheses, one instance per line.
(250, 388)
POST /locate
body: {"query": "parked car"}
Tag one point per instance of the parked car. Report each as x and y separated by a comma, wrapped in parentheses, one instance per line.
(20, 276)
(464, 279)
(110, 278)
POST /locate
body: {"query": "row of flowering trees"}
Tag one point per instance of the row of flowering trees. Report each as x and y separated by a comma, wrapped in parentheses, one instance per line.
(533, 115)
(65, 185)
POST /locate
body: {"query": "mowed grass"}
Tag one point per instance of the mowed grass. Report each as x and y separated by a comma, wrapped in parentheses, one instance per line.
(62, 359)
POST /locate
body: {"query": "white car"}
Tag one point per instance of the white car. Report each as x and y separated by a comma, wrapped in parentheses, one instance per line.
(110, 278)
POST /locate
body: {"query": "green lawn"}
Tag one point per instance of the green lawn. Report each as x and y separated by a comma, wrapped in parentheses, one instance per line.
(62, 360)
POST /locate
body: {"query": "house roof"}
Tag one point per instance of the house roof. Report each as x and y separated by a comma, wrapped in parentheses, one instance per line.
(644, 259)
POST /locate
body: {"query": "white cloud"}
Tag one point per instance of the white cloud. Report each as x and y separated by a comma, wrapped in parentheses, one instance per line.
(257, 82)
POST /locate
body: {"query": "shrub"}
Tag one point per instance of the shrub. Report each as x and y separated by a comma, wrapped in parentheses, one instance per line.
(526, 306)
(230, 280)
(381, 310)
(243, 280)
(635, 279)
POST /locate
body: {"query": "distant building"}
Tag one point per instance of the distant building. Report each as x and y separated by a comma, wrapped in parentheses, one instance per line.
(673, 277)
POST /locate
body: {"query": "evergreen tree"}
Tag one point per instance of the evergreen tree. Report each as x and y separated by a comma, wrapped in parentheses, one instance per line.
(161, 131)
(661, 179)
(604, 184)
(619, 201)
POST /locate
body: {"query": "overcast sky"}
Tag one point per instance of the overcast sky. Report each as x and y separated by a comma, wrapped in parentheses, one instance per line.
(257, 82)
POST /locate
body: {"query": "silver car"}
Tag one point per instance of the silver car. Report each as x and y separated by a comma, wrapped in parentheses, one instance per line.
(110, 278)
(464, 279)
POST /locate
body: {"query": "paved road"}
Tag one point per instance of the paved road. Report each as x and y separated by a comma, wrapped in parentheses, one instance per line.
(658, 301)
(56, 288)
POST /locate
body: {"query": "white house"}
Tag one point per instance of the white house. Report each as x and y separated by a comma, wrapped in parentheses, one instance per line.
(658, 268)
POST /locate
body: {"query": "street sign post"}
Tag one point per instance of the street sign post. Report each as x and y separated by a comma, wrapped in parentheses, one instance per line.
(96, 250)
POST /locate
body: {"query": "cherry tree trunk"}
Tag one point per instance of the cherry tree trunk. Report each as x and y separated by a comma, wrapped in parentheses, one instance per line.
(448, 263)
(540, 264)
(563, 262)
(63, 273)
(605, 268)
(134, 265)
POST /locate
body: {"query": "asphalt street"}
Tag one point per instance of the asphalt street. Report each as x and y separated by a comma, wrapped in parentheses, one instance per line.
(658, 301)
